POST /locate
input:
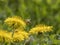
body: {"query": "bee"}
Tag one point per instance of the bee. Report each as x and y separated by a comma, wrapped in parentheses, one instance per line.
(28, 21)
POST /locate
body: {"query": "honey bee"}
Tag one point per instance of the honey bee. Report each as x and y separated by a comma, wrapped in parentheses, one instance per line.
(28, 21)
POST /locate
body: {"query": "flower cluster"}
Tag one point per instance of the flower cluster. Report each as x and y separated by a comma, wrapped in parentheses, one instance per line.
(19, 35)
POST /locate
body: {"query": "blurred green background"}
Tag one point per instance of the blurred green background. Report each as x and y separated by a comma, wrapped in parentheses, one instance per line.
(39, 11)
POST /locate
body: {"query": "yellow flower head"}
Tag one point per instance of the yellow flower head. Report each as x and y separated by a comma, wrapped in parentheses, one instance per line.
(40, 28)
(20, 35)
(15, 21)
(4, 35)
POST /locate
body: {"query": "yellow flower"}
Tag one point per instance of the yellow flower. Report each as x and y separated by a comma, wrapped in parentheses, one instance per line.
(40, 28)
(20, 35)
(15, 21)
(8, 37)
(4, 35)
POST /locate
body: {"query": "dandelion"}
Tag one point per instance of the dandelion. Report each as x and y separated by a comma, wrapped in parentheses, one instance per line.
(40, 28)
(20, 35)
(5, 36)
(8, 37)
(15, 21)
